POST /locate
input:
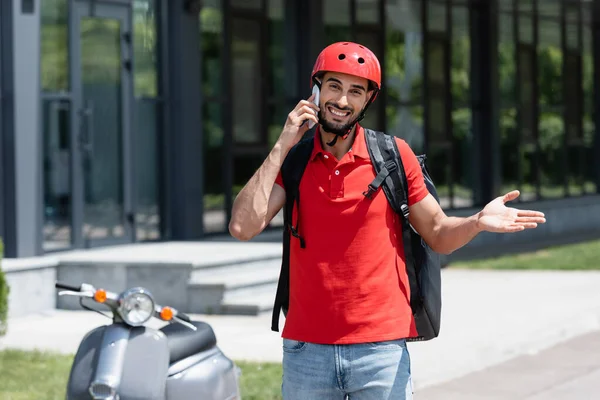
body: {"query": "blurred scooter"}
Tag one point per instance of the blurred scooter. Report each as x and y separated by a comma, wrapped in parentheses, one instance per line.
(129, 361)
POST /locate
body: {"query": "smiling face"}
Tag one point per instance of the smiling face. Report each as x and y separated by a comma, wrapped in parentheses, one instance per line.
(342, 99)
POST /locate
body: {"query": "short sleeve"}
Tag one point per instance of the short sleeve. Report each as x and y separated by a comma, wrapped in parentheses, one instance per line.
(279, 180)
(417, 190)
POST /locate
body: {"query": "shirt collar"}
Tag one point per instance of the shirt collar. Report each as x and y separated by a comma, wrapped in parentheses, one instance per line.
(358, 149)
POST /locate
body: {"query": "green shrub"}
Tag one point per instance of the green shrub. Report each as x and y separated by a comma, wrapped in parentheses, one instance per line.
(4, 289)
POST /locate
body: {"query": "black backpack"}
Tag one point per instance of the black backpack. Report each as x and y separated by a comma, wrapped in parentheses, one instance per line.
(422, 263)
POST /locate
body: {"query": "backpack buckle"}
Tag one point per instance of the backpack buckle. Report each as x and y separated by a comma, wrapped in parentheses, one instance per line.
(369, 192)
(391, 166)
(295, 234)
(405, 210)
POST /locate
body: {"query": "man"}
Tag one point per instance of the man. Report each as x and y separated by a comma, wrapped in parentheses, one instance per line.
(349, 311)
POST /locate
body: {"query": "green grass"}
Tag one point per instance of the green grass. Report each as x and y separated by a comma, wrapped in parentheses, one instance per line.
(260, 380)
(581, 256)
(34, 375)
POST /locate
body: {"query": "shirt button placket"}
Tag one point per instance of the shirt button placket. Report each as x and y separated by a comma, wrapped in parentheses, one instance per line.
(336, 184)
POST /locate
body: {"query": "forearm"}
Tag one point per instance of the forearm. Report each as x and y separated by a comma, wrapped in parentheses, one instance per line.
(250, 207)
(455, 232)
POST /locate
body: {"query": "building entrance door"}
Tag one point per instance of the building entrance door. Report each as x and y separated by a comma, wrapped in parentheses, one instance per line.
(102, 92)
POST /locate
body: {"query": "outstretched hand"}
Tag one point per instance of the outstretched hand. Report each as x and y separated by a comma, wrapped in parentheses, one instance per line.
(496, 217)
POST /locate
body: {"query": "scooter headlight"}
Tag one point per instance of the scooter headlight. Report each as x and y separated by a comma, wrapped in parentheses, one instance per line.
(136, 306)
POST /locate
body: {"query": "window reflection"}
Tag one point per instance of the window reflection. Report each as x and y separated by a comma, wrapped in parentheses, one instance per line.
(211, 42)
(144, 48)
(56, 132)
(551, 123)
(336, 16)
(527, 145)
(54, 46)
(460, 86)
(589, 127)
(214, 191)
(367, 12)
(371, 39)
(57, 174)
(404, 72)
(511, 162)
(146, 123)
(277, 50)
(146, 169)
(247, 4)
(246, 77)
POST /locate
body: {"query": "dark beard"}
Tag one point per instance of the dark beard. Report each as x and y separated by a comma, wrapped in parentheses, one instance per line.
(335, 129)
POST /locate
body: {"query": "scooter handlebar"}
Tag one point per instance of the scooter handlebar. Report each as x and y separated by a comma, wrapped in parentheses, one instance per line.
(184, 317)
(60, 285)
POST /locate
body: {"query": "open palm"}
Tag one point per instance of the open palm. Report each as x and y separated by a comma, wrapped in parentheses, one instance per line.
(496, 217)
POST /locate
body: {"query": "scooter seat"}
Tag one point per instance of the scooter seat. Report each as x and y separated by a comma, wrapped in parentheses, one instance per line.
(184, 342)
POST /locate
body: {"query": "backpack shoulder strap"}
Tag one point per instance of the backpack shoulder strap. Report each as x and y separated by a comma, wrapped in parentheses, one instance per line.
(291, 172)
(390, 175)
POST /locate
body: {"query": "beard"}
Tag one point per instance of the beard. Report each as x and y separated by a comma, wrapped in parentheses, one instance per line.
(335, 127)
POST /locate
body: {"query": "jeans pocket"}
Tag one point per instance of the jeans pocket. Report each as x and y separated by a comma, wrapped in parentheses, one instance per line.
(293, 346)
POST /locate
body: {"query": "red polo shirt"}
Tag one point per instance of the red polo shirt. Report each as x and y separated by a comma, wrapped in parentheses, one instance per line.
(349, 283)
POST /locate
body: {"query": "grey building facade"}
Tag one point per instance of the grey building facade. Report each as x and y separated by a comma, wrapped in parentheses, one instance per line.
(139, 120)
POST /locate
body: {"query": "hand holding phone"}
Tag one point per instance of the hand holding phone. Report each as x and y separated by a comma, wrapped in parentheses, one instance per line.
(316, 93)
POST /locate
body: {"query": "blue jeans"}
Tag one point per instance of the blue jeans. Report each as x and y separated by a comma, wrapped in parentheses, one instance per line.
(366, 371)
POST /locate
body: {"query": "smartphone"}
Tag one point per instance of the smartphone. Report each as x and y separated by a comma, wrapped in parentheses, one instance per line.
(316, 92)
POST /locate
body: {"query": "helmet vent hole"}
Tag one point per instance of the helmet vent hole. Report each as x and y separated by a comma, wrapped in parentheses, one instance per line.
(361, 60)
(344, 44)
(361, 46)
(341, 56)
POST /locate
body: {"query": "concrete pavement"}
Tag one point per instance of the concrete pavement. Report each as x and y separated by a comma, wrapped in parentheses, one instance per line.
(489, 318)
(569, 370)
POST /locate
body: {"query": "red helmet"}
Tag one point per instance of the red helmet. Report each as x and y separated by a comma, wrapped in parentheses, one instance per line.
(349, 58)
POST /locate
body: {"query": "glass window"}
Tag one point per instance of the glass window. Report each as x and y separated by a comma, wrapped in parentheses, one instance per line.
(506, 60)
(367, 12)
(437, 18)
(438, 87)
(511, 162)
(101, 130)
(372, 40)
(211, 46)
(277, 50)
(146, 169)
(276, 9)
(144, 48)
(57, 174)
(460, 68)
(506, 5)
(525, 5)
(525, 28)
(549, 8)
(404, 72)
(214, 189)
(54, 46)
(528, 166)
(590, 160)
(211, 42)
(246, 73)
(551, 101)
(279, 104)
(247, 4)
(146, 121)
(336, 15)
(460, 73)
